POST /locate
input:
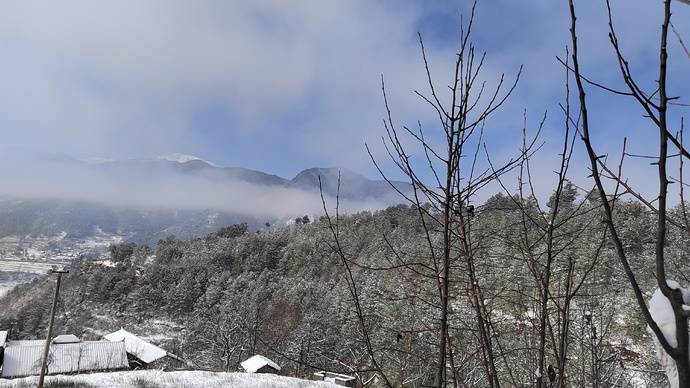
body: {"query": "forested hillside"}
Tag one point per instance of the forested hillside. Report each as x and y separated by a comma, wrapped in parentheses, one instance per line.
(284, 293)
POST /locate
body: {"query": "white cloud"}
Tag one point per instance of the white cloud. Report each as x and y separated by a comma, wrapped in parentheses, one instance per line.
(130, 78)
(94, 77)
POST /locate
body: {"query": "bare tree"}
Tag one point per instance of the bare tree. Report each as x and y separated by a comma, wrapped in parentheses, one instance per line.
(546, 245)
(445, 178)
(352, 284)
(655, 106)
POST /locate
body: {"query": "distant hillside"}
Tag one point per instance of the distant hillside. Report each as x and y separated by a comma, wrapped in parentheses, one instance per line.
(81, 219)
(219, 299)
(353, 186)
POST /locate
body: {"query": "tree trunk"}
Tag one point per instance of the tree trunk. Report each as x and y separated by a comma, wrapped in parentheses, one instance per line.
(683, 367)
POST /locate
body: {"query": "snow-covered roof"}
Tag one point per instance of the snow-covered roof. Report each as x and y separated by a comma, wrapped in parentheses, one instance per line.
(254, 363)
(66, 339)
(25, 360)
(13, 343)
(3, 338)
(145, 351)
(337, 378)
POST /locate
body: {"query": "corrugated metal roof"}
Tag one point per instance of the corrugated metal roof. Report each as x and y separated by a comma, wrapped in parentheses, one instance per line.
(3, 338)
(145, 351)
(85, 356)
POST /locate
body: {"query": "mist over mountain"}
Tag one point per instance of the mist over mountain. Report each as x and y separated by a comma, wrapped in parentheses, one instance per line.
(148, 199)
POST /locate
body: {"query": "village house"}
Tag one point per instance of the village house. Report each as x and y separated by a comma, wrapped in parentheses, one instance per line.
(142, 354)
(67, 355)
(260, 364)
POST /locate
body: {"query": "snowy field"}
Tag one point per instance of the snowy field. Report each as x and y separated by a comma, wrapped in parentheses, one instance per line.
(160, 379)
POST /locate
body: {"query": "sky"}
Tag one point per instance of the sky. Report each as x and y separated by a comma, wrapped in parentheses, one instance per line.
(282, 86)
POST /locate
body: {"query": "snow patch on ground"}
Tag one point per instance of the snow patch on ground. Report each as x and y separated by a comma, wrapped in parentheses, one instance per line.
(182, 379)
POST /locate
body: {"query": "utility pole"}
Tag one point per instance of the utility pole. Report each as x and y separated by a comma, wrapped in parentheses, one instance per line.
(44, 363)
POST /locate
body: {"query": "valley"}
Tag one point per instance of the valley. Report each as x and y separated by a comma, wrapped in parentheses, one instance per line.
(24, 258)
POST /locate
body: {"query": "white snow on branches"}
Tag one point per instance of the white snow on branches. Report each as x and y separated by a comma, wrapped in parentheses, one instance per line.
(662, 313)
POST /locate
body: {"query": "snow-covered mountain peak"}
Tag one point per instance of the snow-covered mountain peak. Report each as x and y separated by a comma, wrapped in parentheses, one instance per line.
(183, 158)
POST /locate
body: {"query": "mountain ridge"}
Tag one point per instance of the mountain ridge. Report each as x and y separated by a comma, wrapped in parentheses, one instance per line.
(191, 163)
(136, 198)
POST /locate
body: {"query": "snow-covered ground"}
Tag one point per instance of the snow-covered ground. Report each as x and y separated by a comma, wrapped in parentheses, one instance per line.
(185, 379)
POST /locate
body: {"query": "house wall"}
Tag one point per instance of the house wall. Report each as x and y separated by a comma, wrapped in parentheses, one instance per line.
(268, 369)
(165, 363)
(168, 363)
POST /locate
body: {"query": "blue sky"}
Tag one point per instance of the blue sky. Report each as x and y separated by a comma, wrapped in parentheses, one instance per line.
(282, 86)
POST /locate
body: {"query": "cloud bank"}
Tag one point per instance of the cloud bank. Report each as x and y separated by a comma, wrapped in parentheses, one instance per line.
(161, 185)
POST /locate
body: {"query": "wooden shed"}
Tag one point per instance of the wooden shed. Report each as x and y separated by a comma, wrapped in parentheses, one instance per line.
(260, 364)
